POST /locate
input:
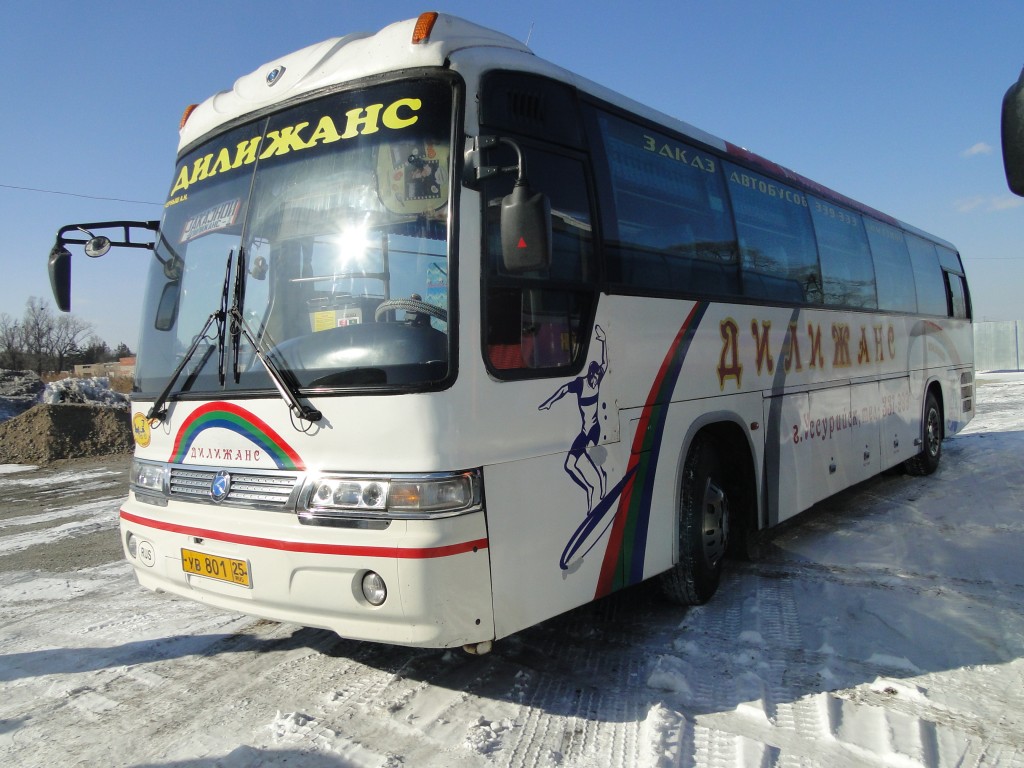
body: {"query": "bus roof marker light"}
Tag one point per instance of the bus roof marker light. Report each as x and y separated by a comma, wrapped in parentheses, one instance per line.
(424, 26)
(186, 115)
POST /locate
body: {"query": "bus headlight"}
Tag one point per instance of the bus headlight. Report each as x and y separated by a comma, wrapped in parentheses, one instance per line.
(148, 476)
(334, 493)
(397, 496)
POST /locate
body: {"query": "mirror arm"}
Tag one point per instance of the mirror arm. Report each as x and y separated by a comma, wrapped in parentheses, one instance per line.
(525, 215)
(481, 172)
(59, 260)
(125, 226)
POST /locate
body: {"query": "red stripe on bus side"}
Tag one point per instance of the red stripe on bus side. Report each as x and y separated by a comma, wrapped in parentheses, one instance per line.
(402, 553)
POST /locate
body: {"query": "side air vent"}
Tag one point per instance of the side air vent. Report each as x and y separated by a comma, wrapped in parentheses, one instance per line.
(527, 107)
(530, 106)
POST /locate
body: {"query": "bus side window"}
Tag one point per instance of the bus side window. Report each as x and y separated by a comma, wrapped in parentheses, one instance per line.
(667, 224)
(956, 296)
(895, 277)
(506, 349)
(533, 321)
(848, 277)
(931, 291)
(777, 246)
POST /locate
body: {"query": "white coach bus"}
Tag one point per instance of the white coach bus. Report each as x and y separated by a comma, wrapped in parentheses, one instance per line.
(440, 340)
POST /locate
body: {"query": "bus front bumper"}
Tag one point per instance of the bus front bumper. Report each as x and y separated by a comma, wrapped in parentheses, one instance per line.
(436, 572)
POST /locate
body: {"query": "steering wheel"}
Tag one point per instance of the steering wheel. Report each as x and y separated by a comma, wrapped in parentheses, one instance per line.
(415, 305)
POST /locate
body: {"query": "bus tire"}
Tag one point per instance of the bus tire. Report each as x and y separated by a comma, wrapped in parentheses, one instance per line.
(927, 461)
(703, 527)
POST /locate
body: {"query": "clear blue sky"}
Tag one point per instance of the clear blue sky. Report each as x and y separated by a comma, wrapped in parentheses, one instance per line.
(895, 104)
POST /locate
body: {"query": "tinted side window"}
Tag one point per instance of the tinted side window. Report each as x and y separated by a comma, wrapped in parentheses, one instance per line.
(669, 227)
(777, 249)
(848, 277)
(956, 296)
(894, 276)
(949, 259)
(534, 321)
(931, 288)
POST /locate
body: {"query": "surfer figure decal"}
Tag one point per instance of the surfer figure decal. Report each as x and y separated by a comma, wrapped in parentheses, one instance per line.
(584, 460)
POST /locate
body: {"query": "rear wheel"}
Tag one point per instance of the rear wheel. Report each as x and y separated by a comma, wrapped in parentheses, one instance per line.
(927, 461)
(704, 519)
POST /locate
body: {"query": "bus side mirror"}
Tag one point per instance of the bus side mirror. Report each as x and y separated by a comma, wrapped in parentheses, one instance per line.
(97, 246)
(60, 276)
(525, 230)
(1013, 136)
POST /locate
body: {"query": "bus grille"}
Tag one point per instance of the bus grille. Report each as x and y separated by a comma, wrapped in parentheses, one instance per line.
(255, 489)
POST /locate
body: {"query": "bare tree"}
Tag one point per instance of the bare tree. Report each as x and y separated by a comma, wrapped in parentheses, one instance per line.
(11, 342)
(68, 332)
(37, 327)
(95, 351)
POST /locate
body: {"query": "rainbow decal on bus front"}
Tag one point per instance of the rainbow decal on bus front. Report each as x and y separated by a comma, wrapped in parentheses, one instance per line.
(624, 557)
(220, 415)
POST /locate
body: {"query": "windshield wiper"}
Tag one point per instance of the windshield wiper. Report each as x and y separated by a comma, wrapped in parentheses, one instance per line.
(286, 388)
(158, 411)
(239, 327)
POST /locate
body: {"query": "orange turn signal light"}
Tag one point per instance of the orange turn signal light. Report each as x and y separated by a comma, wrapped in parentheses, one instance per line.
(424, 25)
(186, 115)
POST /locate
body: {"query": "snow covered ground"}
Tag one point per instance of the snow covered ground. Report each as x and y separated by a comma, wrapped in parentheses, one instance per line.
(885, 628)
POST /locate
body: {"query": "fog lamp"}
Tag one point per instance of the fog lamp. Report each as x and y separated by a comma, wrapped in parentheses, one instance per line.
(132, 544)
(374, 589)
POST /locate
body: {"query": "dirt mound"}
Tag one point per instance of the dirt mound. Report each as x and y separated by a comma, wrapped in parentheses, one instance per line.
(48, 433)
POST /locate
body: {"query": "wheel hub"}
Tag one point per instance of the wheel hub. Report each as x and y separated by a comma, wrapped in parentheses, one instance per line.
(716, 523)
(932, 432)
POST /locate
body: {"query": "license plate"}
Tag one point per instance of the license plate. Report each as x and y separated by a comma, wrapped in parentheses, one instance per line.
(213, 567)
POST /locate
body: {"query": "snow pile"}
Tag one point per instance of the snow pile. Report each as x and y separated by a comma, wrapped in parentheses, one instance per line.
(94, 391)
(19, 391)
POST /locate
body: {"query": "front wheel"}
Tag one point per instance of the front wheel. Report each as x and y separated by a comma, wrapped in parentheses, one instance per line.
(704, 519)
(927, 461)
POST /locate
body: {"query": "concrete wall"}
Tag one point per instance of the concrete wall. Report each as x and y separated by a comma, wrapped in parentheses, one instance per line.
(125, 367)
(998, 345)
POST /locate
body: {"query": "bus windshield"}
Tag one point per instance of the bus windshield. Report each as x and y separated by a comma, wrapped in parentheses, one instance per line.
(326, 226)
